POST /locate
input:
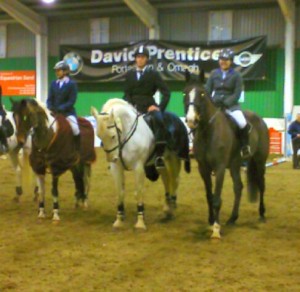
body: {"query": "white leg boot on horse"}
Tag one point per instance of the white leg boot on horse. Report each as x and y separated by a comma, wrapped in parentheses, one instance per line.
(140, 224)
(216, 231)
(41, 196)
(119, 223)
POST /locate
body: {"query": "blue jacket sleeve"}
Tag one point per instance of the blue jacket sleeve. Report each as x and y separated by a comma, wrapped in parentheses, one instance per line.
(49, 102)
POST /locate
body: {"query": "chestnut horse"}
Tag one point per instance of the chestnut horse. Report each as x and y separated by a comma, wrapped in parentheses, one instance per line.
(53, 148)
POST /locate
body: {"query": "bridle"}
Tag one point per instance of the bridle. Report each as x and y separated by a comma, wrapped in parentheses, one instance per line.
(122, 143)
(212, 118)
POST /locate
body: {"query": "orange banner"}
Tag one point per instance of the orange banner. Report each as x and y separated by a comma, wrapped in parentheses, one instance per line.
(17, 83)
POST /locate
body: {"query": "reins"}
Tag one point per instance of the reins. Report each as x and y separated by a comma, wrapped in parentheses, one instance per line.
(121, 143)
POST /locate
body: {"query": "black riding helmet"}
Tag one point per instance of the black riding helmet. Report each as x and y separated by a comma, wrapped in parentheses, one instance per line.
(226, 54)
(141, 50)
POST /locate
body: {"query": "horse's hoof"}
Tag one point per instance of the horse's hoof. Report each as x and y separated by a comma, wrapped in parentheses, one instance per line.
(230, 222)
(140, 226)
(41, 216)
(262, 219)
(16, 199)
(216, 231)
(118, 225)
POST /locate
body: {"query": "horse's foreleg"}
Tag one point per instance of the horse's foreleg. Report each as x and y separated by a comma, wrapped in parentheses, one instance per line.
(237, 188)
(41, 195)
(205, 173)
(139, 185)
(54, 191)
(217, 201)
(118, 175)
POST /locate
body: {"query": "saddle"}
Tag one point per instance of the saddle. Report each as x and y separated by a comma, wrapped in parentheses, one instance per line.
(178, 141)
(177, 133)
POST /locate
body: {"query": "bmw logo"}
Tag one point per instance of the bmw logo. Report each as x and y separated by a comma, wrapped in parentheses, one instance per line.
(74, 61)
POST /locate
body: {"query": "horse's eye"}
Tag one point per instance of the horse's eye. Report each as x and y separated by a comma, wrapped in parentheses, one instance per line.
(113, 137)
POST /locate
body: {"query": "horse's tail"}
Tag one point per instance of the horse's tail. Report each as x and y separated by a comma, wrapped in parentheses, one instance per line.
(255, 179)
(187, 165)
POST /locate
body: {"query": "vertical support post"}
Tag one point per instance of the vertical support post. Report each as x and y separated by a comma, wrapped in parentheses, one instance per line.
(41, 42)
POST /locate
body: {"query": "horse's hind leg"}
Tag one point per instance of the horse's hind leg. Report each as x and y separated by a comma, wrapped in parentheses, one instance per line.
(118, 175)
(170, 178)
(261, 186)
(86, 180)
(139, 185)
(237, 188)
(54, 191)
(78, 172)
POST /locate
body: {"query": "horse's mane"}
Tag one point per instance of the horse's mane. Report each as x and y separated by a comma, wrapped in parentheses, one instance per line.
(113, 102)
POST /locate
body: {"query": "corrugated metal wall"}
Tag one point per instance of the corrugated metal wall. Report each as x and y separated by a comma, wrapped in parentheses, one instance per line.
(127, 29)
(20, 41)
(255, 22)
(184, 26)
(68, 32)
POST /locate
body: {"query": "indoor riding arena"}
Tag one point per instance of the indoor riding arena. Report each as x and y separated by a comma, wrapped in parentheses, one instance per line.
(67, 224)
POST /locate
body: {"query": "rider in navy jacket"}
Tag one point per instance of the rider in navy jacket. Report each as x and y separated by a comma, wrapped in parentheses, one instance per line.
(62, 97)
(294, 131)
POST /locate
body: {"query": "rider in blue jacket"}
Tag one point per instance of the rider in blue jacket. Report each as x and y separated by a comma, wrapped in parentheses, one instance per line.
(225, 87)
(62, 97)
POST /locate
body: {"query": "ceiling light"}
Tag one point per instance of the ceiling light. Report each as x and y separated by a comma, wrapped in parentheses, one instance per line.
(48, 1)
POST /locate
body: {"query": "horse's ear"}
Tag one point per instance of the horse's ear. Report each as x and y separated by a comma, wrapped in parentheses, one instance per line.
(187, 75)
(29, 105)
(201, 76)
(94, 112)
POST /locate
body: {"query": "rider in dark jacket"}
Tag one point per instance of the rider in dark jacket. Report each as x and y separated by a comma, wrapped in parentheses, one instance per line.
(3, 134)
(141, 83)
(294, 131)
(225, 87)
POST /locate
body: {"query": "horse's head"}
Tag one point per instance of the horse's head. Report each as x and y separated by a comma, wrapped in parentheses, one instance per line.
(29, 115)
(109, 129)
(194, 97)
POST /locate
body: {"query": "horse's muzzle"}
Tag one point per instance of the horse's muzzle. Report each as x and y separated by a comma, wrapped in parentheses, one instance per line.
(192, 124)
(111, 158)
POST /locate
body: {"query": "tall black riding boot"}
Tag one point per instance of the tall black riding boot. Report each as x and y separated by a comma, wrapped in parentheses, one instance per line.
(77, 141)
(244, 136)
(159, 154)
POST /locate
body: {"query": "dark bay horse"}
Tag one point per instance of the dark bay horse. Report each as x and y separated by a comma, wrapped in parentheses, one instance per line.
(217, 147)
(53, 148)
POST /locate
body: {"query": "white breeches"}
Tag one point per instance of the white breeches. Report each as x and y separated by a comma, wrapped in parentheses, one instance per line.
(239, 117)
(74, 124)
